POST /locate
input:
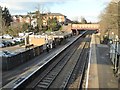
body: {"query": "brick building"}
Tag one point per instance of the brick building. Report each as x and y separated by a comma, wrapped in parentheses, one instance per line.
(60, 17)
(21, 18)
(31, 18)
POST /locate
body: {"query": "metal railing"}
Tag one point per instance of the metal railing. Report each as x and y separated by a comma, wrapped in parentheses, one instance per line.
(115, 56)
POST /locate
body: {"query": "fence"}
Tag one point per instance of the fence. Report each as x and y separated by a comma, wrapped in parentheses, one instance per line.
(115, 56)
(13, 61)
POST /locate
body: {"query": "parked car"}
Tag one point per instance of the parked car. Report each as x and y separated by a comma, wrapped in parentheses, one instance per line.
(12, 42)
(6, 53)
(1, 45)
(6, 43)
(1, 37)
(18, 39)
(7, 36)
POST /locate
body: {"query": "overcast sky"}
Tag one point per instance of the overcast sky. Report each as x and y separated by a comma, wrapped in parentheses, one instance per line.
(73, 9)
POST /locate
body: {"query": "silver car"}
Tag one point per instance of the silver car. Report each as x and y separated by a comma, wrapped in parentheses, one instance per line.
(2, 45)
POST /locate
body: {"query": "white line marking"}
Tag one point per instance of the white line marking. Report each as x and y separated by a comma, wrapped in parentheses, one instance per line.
(86, 86)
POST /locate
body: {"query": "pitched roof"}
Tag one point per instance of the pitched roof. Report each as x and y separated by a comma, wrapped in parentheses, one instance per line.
(55, 14)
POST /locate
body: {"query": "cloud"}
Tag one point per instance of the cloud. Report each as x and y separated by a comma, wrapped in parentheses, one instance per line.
(23, 4)
(35, 0)
(54, 0)
(15, 4)
(86, 8)
(12, 5)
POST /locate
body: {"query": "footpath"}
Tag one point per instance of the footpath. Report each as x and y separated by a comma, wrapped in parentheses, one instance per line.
(100, 69)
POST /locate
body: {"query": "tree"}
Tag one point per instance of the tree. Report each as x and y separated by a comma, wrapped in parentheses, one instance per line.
(109, 20)
(39, 15)
(14, 29)
(25, 27)
(39, 20)
(1, 20)
(17, 27)
(119, 19)
(6, 20)
(53, 24)
(6, 16)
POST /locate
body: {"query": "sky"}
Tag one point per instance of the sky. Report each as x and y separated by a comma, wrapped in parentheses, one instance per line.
(73, 9)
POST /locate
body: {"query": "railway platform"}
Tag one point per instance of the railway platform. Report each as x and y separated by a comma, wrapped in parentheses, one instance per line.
(32, 65)
(100, 69)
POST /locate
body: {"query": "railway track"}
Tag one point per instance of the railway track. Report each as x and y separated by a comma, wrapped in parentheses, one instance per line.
(74, 72)
(64, 70)
(60, 72)
(65, 55)
(75, 79)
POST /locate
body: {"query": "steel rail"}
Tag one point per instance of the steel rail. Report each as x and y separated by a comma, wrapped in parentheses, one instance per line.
(72, 74)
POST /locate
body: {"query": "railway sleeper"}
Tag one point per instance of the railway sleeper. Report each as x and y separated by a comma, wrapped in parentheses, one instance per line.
(44, 83)
(48, 78)
(47, 81)
(39, 87)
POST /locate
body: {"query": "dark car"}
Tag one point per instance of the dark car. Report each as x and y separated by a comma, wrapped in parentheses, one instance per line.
(6, 53)
(7, 43)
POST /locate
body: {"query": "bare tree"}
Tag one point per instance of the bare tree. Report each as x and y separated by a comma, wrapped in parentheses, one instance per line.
(1, 20)
(109, 20)
(39, 15)
(119, 20)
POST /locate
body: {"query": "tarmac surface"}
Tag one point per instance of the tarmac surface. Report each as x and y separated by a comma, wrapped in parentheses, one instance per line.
(101, 68)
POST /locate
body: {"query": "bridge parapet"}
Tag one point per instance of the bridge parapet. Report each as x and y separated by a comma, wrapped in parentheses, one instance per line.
(85, 26)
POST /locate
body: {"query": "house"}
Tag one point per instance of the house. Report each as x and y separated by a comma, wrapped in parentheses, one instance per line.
(21, 18)
(45, 16)
(60, 17)
(31, 18)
